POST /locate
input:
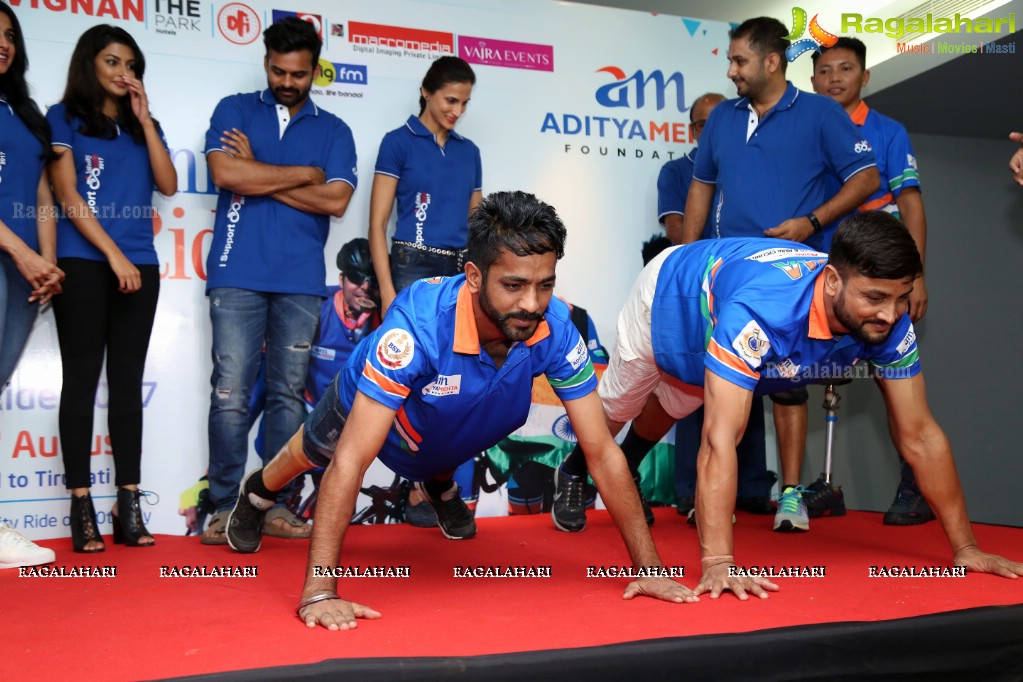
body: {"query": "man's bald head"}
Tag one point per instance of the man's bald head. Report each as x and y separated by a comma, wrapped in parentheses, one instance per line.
(700, 111)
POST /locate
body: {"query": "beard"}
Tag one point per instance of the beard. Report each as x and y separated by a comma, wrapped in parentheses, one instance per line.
(289, 97)
(503, 322)
(858, 330)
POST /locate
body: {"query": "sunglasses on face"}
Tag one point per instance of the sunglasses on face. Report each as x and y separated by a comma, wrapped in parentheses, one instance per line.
(358, 279)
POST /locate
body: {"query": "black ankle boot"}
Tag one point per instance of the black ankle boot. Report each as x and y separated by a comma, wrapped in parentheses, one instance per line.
(84, 528)
(128, 524)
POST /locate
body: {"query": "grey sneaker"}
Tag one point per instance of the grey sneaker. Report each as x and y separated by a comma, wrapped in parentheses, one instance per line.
(791, 514)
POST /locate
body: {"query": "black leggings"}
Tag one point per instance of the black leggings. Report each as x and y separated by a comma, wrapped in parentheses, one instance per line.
(93, 317)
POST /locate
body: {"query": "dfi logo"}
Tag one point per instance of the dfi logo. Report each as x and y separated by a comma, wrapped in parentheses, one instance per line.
(238, 23)
(632, 91)
(818, 36)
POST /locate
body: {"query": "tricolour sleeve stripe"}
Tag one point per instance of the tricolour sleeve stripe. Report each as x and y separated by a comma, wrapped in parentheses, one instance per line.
(386, 385)
(730, 360)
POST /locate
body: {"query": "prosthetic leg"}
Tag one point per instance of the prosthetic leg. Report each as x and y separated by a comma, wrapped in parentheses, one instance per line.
(822, 497)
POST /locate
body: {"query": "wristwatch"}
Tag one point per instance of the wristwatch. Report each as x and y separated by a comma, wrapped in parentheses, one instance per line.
(814, 222)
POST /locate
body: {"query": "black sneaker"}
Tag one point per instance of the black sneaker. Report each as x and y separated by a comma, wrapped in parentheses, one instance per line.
(648, 513)
(755, 505)
(245, 522)
(824, 499)
(684, 504)
(909, 507)
(453, 516)
(569, 508)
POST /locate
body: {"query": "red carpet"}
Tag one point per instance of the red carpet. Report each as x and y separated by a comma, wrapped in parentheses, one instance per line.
(138, 625)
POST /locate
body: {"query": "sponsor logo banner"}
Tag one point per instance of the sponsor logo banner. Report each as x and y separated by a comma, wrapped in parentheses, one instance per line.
(508, 54)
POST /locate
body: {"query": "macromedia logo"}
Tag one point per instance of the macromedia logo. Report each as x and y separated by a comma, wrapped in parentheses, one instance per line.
(818, 36)
(631, 91)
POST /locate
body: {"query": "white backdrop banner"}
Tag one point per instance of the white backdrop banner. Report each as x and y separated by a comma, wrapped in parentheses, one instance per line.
(580, 105)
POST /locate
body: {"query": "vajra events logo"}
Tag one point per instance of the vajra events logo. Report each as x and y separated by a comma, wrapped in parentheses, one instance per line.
(818, 36)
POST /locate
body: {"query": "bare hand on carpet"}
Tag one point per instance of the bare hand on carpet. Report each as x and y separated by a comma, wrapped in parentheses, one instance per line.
(976, 560)
(335, 614)
(665, 589)
(716, 580)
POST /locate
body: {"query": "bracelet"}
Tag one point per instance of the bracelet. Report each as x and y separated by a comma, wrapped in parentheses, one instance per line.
(816, 224)
(715, 558)
(964, 548)
(312, 600)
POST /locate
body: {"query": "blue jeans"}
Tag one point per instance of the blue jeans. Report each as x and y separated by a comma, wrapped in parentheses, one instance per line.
(242, 321)
(16, 317)
(409, 265)
(754, 481)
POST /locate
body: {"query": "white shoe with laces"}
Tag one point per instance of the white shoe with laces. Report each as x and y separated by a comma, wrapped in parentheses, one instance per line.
(17, 550)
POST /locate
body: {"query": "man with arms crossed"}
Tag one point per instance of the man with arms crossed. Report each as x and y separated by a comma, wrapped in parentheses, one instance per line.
(284, 167)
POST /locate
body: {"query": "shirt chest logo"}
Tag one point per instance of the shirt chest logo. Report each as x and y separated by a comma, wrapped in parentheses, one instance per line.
(444, 385)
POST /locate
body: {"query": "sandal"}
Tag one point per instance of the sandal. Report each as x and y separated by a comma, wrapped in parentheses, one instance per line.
(216, 531)
(302, 529)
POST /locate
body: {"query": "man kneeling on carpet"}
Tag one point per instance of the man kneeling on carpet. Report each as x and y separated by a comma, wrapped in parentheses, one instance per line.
(717, 321)
(447, 375)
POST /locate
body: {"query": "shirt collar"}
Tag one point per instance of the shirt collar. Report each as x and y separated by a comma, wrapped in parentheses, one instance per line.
(859, 116)
(788, 99)
(467, 338)
(819, 328)
(308, 108)
(418, 128)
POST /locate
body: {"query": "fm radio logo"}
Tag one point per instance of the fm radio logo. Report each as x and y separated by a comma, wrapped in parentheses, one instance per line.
(632, 91)
(351, 74)
(238, 23)
(818, 36)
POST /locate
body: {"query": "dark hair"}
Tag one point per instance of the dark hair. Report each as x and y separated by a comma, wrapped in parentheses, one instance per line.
(15, 88)
(875, 244)
(354, 259)
(654, 246)
(292, 34)
(854, 44)
(765, 35)
(445, 70)
(84, 96)
(516, 221)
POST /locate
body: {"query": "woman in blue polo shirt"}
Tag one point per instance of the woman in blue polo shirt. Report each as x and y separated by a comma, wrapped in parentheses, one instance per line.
(26, 231)
(436, 177)
(26, 226)
(110, 155)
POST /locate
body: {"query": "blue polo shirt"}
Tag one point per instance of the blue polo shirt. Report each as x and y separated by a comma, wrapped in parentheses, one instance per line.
(115, 178)
(452, 402)
(673, 187)
(259, 243)
(778, 168)
(896, 163)
(435, 184)
(334, 343)
(21, 165)
(752, 312)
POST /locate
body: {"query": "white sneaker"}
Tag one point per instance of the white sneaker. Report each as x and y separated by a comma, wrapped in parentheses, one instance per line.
(17, 550)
